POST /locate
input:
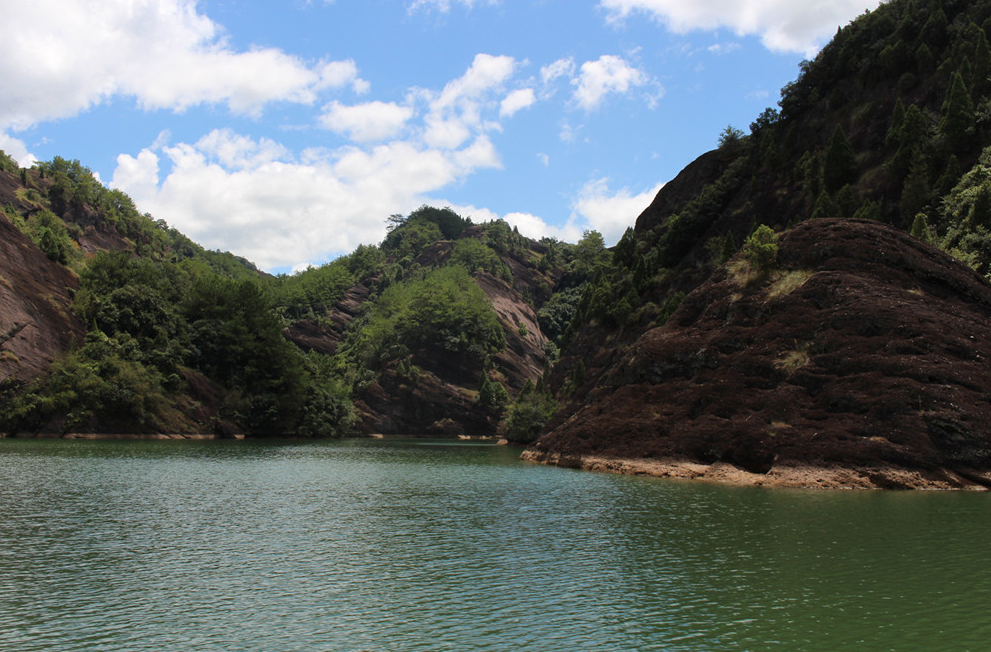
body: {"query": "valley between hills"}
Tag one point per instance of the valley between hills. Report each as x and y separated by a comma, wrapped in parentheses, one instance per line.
(808, 305)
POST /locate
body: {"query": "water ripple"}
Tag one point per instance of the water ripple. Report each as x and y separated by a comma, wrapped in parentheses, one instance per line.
(409, 546)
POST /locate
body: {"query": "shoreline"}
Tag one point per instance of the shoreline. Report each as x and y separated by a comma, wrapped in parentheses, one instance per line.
(123, 436)
(785, 476)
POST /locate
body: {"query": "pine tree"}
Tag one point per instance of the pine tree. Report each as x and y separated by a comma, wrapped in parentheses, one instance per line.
(981, 71)
(825, 206)
(958, 114)
(869, 210)
(949, 178)
(846, 201)
(980, 211)
(925, 63)
(892, 139)
(840, 165)
(911, 137)
(920, 228)
(916, 193)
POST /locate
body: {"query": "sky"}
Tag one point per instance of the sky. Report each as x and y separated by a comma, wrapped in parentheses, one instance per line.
(288, 131)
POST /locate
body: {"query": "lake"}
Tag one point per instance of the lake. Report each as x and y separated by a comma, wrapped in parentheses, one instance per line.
(396, 545)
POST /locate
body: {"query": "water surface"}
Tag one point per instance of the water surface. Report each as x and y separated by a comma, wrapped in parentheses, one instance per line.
(411, 545)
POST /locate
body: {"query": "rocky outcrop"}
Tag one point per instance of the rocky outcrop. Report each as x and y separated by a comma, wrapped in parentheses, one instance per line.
(36, 323)
(863, 348)
(438, 398)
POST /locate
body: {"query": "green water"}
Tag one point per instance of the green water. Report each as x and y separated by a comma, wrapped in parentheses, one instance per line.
(407, 545)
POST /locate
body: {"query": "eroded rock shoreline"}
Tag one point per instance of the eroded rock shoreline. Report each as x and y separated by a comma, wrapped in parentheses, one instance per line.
(785, 476)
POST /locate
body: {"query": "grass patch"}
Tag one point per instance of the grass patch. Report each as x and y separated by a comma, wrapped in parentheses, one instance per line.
(793, 360)
(788, 282)
(29, 196)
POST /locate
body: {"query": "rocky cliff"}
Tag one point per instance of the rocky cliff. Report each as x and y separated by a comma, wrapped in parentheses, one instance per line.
(863, 349)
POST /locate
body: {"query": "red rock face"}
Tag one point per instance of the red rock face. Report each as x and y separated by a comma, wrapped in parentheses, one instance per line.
(864, 346)
(36, 323)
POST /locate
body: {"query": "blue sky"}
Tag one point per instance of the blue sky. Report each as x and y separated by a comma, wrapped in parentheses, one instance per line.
(287, 132)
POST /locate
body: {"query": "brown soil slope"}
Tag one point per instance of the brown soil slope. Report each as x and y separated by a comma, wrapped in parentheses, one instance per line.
(865, 348)
(36, 323)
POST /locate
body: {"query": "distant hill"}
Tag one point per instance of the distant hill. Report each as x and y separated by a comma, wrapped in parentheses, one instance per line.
(808, 304)
(115, 323)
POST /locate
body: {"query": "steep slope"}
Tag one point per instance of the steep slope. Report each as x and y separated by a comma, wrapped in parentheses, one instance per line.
(36, 322)
(887, 123)
(434, 385)
(863, 349)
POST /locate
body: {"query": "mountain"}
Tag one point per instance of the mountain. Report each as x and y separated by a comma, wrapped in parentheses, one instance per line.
(880, 357)
(862, 352)
(114, 323)
(806, 305)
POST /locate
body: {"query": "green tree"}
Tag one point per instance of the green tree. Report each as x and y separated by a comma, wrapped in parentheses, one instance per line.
(916, 193)
(840, 164)
(957, 124)
(825, 206)
(492, 395)
(528, 415)
(920, 228)
(893, 137)
(912, 136)
(590, 252)
(761, 248)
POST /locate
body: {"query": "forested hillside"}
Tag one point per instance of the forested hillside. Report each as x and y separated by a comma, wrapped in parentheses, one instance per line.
(813, 291)
(890, 123)
(114, 322)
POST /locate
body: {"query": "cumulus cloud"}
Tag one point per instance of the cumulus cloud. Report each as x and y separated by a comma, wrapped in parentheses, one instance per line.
(251, 197)
(557, 69)
(783, 25)
(456, 112)
(607, 74)
(367, 122)
(608, 212)
(515, 101)
(17, 150)
(61, 58)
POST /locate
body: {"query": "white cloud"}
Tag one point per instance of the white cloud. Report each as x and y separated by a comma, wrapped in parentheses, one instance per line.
(535, 227)
(609, 212)
(783, 25)
(337, 74)
(516, 100)
(723, 48)
(544, 159)
(61, 58)
(17, 150)
(557, 69)
(444, 6)
(230, 192)
(607, 74)
(568, 133)
(456, 112)
(238, 152)
(371, 121)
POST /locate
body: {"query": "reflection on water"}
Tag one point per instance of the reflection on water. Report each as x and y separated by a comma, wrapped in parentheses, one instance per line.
(411, 545)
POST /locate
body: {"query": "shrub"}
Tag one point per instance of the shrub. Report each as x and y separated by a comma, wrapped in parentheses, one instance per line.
(761, 248)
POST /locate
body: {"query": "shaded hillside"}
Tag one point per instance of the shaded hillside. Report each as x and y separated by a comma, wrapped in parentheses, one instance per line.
(861, 347)
(442, 331)
(112, 322)
(888, 123)
(35, 296)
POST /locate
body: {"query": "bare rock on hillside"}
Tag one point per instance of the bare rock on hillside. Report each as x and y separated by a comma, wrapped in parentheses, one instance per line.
(864, 348)
(36, 323)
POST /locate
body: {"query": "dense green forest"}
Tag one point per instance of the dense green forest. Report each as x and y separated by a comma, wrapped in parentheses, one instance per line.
(891, 121)
(163, 313)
